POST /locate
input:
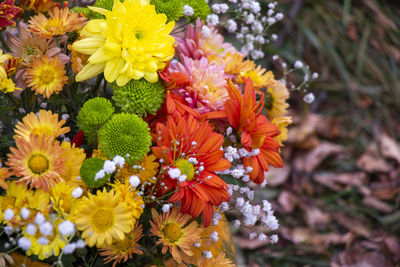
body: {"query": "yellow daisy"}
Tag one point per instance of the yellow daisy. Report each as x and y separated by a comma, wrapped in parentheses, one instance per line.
(275, 100)
(4, 174)
(282, 123)
(125, 45)
(175, 232)
(121, 251)
(102, 218)
(46, 246)
(60, 22)
(62, 199)
(259, 77)
(235, 64)
(146, 169)
(38, 162)
(75, 157)
(45, 123)
(15, 198)
(46, 76)
(130, 197)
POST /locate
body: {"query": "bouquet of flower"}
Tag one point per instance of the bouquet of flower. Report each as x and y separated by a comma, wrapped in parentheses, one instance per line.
(148, 162)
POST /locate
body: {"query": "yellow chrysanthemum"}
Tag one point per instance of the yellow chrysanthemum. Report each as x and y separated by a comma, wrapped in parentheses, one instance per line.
(46, 246)
(175, 232)
(259, 77)
(130, 197)
(132, 42)
(235, 64)
(46, 76)
(102, 218)
(4, 174)
(62, 199)
(146, 169)
(45, 123)
(75, 157)
(38, 162)
(18, 197)
(15, 198)
(121, 251)
(59, 22)
(282, 123)
(275, 100)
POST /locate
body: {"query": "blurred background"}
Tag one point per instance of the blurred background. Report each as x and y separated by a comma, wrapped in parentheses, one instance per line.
(337, 198)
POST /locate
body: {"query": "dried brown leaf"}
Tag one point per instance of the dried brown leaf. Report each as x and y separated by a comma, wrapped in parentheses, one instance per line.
(337, 181)
(389, 148)
(377, 204)
(287, 201)
(278, 176)
(312, 159)
(371, 161)
(353, 224)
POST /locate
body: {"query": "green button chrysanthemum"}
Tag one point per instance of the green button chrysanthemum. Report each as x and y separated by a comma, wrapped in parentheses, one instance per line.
(200, 8)
(139, 96)
(94, 113)
(172, 8)
(126, 135)
(89, 169)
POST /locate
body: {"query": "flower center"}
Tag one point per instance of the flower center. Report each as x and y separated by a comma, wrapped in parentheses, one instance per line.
(139, 35)
(42, 130)
(124, 244)
(186, 168)
(268, 101)
(38, 164)
(103, 219)
(46, 76)
(172, 232)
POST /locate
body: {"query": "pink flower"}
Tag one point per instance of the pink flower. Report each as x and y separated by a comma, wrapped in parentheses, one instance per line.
(207, 89)
(195, 45)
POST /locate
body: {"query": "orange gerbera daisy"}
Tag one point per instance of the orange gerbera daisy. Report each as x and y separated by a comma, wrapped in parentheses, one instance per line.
(46, 76)
(121, 251)
(45, 123)
(256, 132)
(38, 162)
(175, 232)
(60, 22)
(191, 150)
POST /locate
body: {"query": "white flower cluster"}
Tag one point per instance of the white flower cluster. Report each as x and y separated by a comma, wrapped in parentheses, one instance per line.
(250, 24)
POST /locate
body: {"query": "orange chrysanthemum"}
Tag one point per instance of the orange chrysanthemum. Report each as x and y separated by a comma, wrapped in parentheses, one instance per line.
(37, 5)
(78, 60)
(45, 123)
(60, 22)
(121, 251)
(175, 232)
(4, 174)
(255, 131)
(38, 162)
(192, 149)
(46, 76)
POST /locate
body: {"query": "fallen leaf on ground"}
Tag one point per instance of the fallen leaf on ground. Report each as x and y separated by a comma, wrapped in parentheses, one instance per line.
(312, 159)
(371, 161)
(377, 204)
(278, 176)
(389, 148)
(287, 201)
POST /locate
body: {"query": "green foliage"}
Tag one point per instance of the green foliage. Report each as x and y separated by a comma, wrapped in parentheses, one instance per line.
(94, 113)
(200, 7)
(88, 172)
(139, 97)
(126, 135)
(172, 8)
